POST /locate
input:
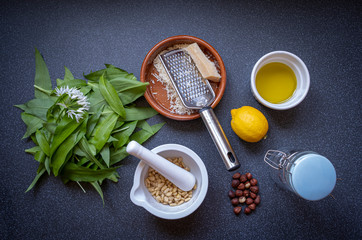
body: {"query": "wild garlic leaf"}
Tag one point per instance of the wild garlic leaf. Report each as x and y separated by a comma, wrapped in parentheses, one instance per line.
(103, 130)
(42, 78)
(68, 74)
(143, 135)
(124, 83)
(96, 100)
(63, 130)
(123, 136)
(144, 125)
(139, 113)
(40, 156)
(37, 107)
(78, 173)
(33, 150)
(33, 123)
(38, 175)
(60, 156)
(93, 120)
(118, 155)
(98, 189)
(111, 96)
(47, 164)
(73, 83)
(114, 177)
(43, 142)
(112, 72)
(105, 154)
(84, 146)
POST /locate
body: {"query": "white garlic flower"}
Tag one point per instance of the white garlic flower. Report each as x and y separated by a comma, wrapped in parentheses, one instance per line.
(76, 103)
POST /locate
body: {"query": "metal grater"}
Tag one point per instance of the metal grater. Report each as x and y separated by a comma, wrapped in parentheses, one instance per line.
(195, 92)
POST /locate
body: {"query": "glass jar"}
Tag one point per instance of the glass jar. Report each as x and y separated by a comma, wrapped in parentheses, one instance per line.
(306, 173)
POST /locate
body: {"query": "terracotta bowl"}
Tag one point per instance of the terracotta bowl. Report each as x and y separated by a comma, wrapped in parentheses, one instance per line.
(159, 101)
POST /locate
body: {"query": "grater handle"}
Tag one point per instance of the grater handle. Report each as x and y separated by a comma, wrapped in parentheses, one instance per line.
(219, 138)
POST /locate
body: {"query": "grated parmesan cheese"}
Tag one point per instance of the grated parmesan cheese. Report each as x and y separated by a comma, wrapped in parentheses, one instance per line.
(175, 101)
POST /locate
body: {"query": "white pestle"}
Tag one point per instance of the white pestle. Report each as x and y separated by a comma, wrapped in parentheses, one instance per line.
(180, 177)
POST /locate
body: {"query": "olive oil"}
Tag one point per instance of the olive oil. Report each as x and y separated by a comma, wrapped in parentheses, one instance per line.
(276, 82)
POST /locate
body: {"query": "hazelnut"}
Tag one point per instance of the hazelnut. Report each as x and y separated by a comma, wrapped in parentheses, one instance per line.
(247, 184)
(235, 201)
(249, 176)
(231, 194)
(249, 201)
(241, 186)
(254, 189)
(237, 210)
(247, 210)
(253, 182)
(242, 199)
(236, 175)
(243, 178)
(235, 183)
(252, 195)
(239, 193)
(257, 200)
(252, 206)
(246, 193)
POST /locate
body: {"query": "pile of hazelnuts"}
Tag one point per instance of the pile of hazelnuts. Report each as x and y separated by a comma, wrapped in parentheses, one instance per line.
(246, 191)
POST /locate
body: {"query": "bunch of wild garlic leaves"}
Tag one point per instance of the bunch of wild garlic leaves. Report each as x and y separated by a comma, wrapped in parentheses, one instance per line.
(81, 128)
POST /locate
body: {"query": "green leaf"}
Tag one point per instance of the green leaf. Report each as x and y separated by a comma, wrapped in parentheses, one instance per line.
(105, 154)
(33, 123)
(50, 127)
(40, 156)
(42, 78)
(111, 96)
(123, 136)
(60, 155)
(78, 173)
(143, 135)
(93, 120)
(47, 164)
(68, 74)
(43, 142)
(84, 146)
(144, 125)
(96, 100)
(103, 130)
(63, 130)
(98, 189)
(33, 150)
(139, 113)
(37, 107)
(118, 155)
(128, 90)
(38, 175)
(73, 83)
(112, 72)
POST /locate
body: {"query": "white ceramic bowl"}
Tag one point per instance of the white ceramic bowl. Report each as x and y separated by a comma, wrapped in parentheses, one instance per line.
(301, 73)
(142, 197)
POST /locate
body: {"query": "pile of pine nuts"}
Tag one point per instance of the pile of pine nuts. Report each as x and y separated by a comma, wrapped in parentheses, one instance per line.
(163, 190)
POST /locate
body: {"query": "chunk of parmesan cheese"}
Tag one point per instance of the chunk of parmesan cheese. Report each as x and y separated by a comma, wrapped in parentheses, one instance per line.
(205, 66)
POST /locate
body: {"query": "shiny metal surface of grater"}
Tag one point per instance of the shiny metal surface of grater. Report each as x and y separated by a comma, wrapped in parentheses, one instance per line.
(196, 93)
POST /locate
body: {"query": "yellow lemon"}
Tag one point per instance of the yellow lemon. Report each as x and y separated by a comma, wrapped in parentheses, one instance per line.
(249, 123)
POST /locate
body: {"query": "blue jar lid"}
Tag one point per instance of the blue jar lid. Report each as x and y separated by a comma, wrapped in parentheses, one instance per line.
(313, 176)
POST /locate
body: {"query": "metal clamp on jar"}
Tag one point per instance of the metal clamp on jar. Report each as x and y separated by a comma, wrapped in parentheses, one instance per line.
(306, 173)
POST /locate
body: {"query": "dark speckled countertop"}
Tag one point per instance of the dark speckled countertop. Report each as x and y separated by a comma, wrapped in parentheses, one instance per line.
(83, 35)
